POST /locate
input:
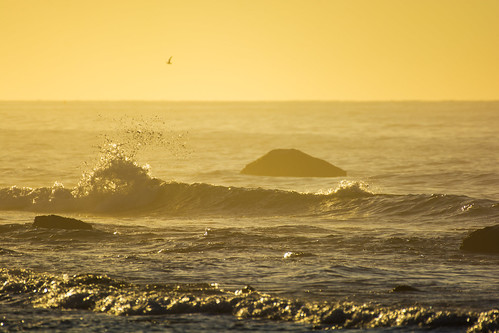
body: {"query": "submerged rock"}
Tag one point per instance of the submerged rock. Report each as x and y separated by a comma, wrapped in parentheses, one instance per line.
(291, 163)
(60, 222)
(402, 288)
(482, 240)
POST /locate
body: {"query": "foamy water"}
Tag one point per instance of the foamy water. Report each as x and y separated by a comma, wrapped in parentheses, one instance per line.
(183, 242)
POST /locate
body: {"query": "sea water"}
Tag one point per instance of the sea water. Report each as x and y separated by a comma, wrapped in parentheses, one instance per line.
(182, 241)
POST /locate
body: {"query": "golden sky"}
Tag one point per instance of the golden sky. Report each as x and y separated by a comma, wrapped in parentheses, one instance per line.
(249, 49)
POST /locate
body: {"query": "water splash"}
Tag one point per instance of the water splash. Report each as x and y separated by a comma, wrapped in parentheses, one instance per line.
(116, 173)
(349, 189)
(138, 134)
(116, 183)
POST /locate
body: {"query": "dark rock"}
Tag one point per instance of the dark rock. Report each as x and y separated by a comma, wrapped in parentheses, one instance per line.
(59, 222)
(482, 240)
(402, 288)
(335, 317)
(291, 163)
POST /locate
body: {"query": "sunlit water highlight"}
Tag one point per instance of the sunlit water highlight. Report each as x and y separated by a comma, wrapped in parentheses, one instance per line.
(183, 242)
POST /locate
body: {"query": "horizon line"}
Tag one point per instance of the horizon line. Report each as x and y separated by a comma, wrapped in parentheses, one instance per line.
(257, 101)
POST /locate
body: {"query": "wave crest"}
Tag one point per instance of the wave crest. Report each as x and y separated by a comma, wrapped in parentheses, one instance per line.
(115, 173)
(350, 189)
(117, 182)
(119, 185)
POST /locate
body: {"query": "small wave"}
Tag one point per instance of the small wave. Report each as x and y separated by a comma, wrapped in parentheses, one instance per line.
(294, 255)
(349, 189)
(103, 294)
(4, 251)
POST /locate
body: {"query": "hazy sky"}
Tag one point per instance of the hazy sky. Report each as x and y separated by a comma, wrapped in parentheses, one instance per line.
(249, 50)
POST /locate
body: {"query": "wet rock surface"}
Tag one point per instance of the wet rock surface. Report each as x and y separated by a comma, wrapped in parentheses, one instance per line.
(291, 163)
(60, 222)
(484, 240)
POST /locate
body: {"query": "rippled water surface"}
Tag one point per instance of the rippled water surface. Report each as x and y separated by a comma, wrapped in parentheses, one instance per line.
(181, 241)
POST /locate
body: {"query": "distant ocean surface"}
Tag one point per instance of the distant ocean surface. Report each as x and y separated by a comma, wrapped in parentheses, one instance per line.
(182, 242)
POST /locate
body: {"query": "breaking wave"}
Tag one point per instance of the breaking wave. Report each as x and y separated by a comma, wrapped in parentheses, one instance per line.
(119, 185)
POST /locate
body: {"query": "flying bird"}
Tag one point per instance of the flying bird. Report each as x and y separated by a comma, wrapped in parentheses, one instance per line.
(169, 62)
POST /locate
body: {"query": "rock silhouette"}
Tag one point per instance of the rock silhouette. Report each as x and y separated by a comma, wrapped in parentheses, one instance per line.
(60, 222)
(482, 240)
(402, 288)
(291, 163)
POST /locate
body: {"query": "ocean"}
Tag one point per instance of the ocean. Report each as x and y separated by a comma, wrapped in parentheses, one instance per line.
(183, 242)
